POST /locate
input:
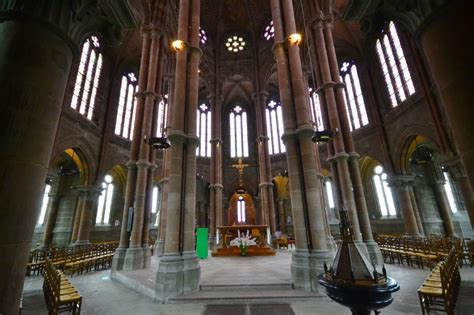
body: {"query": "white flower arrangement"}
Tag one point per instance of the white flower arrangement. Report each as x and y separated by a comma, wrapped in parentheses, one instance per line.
(243, 241)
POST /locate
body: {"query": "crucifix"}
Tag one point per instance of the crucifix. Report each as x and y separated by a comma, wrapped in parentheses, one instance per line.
(240, 167)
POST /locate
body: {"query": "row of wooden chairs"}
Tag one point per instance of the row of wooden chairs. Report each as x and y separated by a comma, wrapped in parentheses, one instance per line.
(421, 251)
(98, 255)
(440, 289)
(89, 259)
(59, 293)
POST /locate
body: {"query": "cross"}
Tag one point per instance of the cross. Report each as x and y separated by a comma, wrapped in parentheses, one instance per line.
(240, 167)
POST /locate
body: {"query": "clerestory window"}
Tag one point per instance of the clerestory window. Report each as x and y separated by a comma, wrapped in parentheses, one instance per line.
(87, 79)
(355, 105)
(126, 107)
(239, 146)
(394, 65)
(274, 120)
(203, 125)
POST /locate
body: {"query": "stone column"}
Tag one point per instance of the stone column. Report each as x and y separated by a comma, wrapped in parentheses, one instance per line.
(402, 185)
(305, 189)
(29, 115)
(281, 215)
(121, 251)
(90, 196)
(416, 211)
(160, 247)
(77, 218)
(52, 211)
(444, 208)
(178, 269)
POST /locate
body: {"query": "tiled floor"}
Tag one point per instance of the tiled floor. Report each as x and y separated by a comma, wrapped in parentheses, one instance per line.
(103, 296)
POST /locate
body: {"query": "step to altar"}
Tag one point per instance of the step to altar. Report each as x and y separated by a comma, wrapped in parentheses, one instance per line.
(252, 251)
(251, 294)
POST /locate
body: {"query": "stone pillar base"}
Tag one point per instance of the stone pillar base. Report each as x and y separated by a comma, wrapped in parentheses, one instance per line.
(133, 258)
(146, 256)
(119, 259)
(212, 242)
(316, 262)
(300, 270)
(177, 275)
(159, 248)
(374, 253)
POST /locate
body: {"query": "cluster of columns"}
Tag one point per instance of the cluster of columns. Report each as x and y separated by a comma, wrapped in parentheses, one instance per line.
(179, 270)
(133, 251)
(268, 215)
(216, 185)
(341, 150)
(305, 188)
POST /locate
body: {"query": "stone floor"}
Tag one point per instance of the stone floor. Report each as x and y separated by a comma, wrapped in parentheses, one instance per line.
(103, 296)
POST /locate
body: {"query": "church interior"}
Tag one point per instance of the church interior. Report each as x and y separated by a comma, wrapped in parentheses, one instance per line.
(236, 157)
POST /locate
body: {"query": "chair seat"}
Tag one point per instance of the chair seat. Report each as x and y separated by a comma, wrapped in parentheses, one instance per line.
(69, 297)
(430, 290)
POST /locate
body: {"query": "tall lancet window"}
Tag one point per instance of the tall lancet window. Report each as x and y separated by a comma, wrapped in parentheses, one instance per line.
(204, 130)
(155, 204)
(329, 193)
(355, 105)
(315, 106)
(87, 79)
(274, 120)
(448, 188)
(126, 107)
(384, 193)
(241, 210)
(239, 146)
(162, 116)
(394, 65)
(105, 201)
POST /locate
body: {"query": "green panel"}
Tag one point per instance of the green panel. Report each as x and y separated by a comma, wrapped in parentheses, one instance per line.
(201, 243)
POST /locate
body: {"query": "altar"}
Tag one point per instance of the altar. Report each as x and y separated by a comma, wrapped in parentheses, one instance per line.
(261, 234)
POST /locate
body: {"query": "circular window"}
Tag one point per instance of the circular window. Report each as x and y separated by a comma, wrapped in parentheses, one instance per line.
(108, 179)
(235, 44)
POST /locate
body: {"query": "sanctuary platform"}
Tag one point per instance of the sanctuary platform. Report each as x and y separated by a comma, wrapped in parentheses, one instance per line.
(226, 234)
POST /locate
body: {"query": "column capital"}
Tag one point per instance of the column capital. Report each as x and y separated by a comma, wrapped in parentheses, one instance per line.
(88, 191)
(401, 182)
(145, 94)
(216, 186)
(322, 20)
(74, 20)
(131, 164)
(262, 138)
(216, 141)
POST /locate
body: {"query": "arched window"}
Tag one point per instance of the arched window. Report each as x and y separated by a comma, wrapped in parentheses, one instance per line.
(239, 146)
(274, 121)
(315, 107)
(105, 201)
(155, 204)
(384, 193)
(355, 105)
(87, 79)
(394, 65)
(126, 107)
(204, 130)
(448, 188)
(329, 193)
(241, 210)
(162, 116)
(44, 204)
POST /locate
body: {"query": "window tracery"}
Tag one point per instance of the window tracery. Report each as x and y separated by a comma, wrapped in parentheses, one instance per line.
(87, 79)
(383, 192)
(355, 104)
(238, 132)
(204, 121)
(235, 44)
(126, 107)
(274, 122)
(105, 201)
